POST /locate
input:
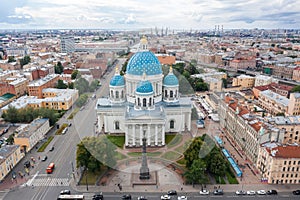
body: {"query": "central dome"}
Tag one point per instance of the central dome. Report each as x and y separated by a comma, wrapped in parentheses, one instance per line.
(144, 61)
(144, 87)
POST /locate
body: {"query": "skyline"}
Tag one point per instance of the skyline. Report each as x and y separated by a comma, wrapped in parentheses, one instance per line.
(132, 14)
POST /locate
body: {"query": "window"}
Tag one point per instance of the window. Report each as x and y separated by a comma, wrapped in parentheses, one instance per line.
(117, 125)
(166, 93)
(139, 102)
(150, 100)
(172, 123)
(144, 102)
(111, 93)
(171, 94)
(122, 94)
(117, 94)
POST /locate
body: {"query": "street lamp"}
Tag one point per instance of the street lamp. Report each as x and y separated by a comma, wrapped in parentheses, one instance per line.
(86, 182)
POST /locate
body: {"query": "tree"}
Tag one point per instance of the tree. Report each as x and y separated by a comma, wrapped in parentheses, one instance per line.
(61, 84)
(58, 68)
(93, 86)
(25, 61)
(11, 59)
(75, 74)
(196, 173)
(224, 81)
(216, 164)
(82, 155)
(82, 85)
(296, 89)
(192, 152)
(82, 100)
(186, 74)
(71, 85)
(11, 115)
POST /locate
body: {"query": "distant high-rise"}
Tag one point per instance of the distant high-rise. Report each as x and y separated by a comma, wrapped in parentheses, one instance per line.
(67, 44)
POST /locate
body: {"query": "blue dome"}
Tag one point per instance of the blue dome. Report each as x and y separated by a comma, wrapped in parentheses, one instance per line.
(117, 80)
(170, 80)
(144, 61)
(144, 87)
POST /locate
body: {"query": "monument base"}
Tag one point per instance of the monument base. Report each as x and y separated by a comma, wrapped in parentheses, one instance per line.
(137, 180)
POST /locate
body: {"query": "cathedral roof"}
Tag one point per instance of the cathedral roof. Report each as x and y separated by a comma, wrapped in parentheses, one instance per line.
(170, 79)
(144, 87)
(117, 80)
(144, 61)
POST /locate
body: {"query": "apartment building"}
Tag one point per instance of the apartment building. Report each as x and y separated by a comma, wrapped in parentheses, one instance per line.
(296, 74)
(29, 135)
(243, 63)
(279, 164)
(67, 44)
(281, 89)
(290, 127)
(262, 80)
(10, 156)
(294, 104)
(20, 86)
(36, 88)
(244, 81)
(283, 71)
(272, 102)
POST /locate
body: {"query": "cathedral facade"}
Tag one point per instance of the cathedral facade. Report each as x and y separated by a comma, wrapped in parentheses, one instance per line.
(144, 102)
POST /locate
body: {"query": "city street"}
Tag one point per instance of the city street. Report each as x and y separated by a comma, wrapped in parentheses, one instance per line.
(47, 186)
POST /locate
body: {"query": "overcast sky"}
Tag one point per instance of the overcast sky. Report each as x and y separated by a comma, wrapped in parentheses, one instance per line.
(133, 14)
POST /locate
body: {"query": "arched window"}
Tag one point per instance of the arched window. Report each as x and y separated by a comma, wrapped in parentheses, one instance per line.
(117, 125)
(171, 94)
(139, 102)
(112, 93)
(172, 123)
(144, 102)
(117, 94)
(166, 93)
(150, 101)
(122, 94)
(176, 93)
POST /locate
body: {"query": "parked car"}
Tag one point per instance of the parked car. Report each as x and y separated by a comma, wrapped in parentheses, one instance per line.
(44, 158)
(296, 192)
(27, 164)
(204, 192)
(182, 198)
(98, 196)
(251, 192)
(142, 198)
(126, 197)
(172, 192)
(218, 192)
(65, 192)
(240, 192)
(165, 197)
(51, 149)
(270, 192)
(261, 192)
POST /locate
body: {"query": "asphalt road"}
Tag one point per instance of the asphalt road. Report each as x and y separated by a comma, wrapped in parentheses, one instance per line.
(47, 186)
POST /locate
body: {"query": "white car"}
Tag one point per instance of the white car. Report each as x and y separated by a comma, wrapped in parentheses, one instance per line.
(204, 192)
(165, 197)
(261, 192)
(240, 192)
(182, 198)
(251, 192)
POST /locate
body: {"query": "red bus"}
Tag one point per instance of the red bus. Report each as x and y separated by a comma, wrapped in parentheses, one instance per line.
(50, 168)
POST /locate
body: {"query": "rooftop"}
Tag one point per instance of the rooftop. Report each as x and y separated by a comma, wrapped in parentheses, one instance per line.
(275, 97)
(28, 130)
(6, 151)
(43, 80)
(288, 151)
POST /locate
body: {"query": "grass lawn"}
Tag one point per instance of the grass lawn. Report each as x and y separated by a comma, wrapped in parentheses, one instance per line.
(44, 146)
(71, 116)
(175, 141)
(171, 155)
(181, 161)
(231, 180)
(62, 127)
(120, 156)
(90, 177)
(169, 138)
(117, 140)
(137, 154)
(220, 180)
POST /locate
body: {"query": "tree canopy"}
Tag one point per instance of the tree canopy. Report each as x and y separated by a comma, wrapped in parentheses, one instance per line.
(24, 61)
(61, 84)
(296, 89)
(82, 85)
(58, 68)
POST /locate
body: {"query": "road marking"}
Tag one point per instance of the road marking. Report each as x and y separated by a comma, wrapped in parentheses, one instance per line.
(3, 194)
(29, 182)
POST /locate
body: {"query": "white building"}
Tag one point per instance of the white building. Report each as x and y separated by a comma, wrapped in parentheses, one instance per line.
(144, 102)
(67, 44)
(262, 80)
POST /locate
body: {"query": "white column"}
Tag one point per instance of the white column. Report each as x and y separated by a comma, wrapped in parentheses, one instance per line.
(141, 135)
(133, 135)
(156, 135)
(163, 135)
(126, 135)
(149, 135)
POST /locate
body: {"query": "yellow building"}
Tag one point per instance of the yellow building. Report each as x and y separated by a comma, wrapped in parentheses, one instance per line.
(20, 86)
(243, 81)
(10, 155)
(279, 164)
(30, 134)
(294, 104)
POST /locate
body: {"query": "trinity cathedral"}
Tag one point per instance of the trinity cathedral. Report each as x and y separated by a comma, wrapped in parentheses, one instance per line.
(144, 102)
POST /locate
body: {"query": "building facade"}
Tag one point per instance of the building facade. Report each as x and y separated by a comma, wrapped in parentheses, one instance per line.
(244, 81)
(36, 88)
(144, 103)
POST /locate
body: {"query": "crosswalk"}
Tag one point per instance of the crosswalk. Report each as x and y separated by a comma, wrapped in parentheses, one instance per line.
(3, 194)
(48, 181)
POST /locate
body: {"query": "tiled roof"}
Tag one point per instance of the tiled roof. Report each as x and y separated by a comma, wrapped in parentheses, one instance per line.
(285, 151)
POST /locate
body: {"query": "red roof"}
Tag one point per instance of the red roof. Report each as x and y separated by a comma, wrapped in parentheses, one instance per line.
(285, 151)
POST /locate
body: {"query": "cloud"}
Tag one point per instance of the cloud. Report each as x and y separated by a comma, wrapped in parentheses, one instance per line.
(149, 13)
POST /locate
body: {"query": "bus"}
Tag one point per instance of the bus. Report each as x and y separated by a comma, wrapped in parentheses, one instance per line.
(50, 168)
(70, 197)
